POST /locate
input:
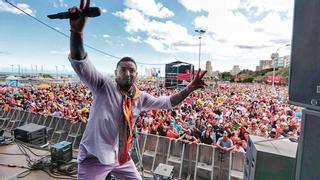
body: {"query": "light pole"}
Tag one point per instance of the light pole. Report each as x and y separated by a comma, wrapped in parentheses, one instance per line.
(200, 31)
(19, 69)
(56, 71)
(275, 56)
(63, 73)
(12, 68)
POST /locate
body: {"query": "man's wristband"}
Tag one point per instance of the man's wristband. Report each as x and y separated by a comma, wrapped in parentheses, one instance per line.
(76, 32)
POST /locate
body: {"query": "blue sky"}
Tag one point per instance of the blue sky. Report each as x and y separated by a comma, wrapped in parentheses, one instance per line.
(238, 32)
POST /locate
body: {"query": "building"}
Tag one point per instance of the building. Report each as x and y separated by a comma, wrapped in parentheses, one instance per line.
(258, 68)
(279, 62)
(264, 64)
(208, 69)
(235, 70)
(283, 61)
(287, 61)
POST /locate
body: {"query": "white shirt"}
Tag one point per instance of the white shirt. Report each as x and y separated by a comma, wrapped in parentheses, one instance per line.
(101, 136)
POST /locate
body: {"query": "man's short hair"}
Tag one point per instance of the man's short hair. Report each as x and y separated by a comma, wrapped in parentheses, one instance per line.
(124, 59)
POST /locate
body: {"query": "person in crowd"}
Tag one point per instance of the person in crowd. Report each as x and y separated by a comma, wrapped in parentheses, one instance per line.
(225, 143)
(238, 147)
(208, 136)
(145, 128)
(188, 137)
(172, 132)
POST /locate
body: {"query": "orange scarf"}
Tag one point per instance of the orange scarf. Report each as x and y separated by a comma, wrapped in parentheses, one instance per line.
(126, 127)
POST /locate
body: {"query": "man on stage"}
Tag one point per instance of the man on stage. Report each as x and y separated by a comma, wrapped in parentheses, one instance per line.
(116, 105)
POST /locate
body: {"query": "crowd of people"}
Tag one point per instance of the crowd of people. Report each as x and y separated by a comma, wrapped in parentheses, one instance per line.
(234, 110)
(225, 114)
(69, 102)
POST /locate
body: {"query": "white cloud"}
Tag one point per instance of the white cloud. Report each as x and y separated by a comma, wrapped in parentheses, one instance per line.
(59, 3)
(135, 20)
(135, 39)
(149, 8)
(103, 10)
(105, 35)
(238, 32)
(62, 3)
(197, 5)
(164, 36)
(225, 21)
(5, 7)
(157, 44)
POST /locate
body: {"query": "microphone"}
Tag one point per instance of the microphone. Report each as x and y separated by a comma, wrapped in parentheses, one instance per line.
(89, 12)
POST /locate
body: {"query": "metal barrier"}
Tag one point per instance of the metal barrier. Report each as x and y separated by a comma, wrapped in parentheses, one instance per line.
(6, 117)
(236, 167)
(190, 161)
(58, 129)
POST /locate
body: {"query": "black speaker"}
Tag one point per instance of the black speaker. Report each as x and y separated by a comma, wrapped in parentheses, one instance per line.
(61, 152)
(31, 133)
(270, 159)
(308, 159)
(304, 82)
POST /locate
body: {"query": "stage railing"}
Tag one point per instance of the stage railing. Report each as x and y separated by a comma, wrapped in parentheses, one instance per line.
(190, 161)
(58, 129)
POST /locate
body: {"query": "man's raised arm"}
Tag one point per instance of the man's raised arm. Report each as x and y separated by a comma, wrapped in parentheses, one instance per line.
(195, 84)
(84, 69)
(77, 51)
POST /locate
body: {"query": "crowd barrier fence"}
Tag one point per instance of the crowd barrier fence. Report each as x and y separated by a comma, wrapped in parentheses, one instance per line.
(58, 129)
(190, 161)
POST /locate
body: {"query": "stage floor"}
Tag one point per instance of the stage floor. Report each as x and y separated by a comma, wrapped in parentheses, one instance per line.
(14, 163)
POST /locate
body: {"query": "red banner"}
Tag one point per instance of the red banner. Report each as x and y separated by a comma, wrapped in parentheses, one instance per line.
(277, 79)
(184, 76)
(269, 79)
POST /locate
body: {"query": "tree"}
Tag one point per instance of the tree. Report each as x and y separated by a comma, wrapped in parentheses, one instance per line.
(248, 79)
(47, 76)
(226, 76)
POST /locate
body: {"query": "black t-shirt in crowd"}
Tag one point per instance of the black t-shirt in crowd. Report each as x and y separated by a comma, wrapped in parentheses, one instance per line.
(161, 131)
(218, 130)
(196, 133)
(206, 139)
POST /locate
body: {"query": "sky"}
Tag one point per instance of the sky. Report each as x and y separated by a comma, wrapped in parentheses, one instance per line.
(238, 32)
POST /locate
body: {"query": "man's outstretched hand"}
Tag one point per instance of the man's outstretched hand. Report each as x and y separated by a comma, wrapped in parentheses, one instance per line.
(77, 24)
(76, 27)
(197, 82)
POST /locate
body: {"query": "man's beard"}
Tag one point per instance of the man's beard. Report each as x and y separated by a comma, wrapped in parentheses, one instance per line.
(125, 84)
